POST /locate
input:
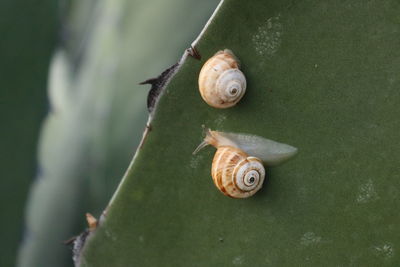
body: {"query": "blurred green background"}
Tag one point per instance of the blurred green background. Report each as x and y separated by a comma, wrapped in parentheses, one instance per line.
(28, 37)
(72, 110)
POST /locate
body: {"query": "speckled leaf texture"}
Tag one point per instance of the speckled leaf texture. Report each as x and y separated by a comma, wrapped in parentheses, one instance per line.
(322, 76)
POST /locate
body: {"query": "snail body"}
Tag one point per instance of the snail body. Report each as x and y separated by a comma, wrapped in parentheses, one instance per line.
(221, 83)
(237, 168)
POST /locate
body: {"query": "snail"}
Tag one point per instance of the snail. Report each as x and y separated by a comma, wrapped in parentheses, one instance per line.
(237, 168)
(221, 83)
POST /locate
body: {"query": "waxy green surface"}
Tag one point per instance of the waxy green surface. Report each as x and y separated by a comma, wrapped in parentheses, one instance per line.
(322, 76)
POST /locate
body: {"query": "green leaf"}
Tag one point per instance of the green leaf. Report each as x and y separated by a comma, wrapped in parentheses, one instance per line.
(322, 76)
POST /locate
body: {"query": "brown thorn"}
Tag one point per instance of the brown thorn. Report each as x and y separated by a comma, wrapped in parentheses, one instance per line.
(70, 240)
(149, 81)
(92, 221)
(193, 52)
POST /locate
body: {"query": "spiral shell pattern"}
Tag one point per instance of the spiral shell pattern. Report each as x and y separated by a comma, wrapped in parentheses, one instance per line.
(221, 83)
(235, 173)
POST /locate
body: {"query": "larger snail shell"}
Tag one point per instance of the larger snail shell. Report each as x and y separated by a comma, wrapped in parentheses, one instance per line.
(234, 172)
(221, 83)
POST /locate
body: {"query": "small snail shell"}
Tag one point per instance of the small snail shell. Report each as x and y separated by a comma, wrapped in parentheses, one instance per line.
(234, 172)
(221, 83)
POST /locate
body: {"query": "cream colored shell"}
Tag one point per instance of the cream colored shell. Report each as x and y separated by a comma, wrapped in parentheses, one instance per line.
(236, 174)
(221, 83)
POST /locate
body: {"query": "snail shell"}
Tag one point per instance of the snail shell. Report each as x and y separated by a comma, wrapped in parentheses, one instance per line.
(221, 83)
(234, 172)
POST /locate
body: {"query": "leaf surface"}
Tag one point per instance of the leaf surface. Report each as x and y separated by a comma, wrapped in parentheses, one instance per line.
(323, 77)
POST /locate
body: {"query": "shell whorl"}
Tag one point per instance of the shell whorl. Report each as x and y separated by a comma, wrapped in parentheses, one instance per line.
(235, 173)
(221, 83)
